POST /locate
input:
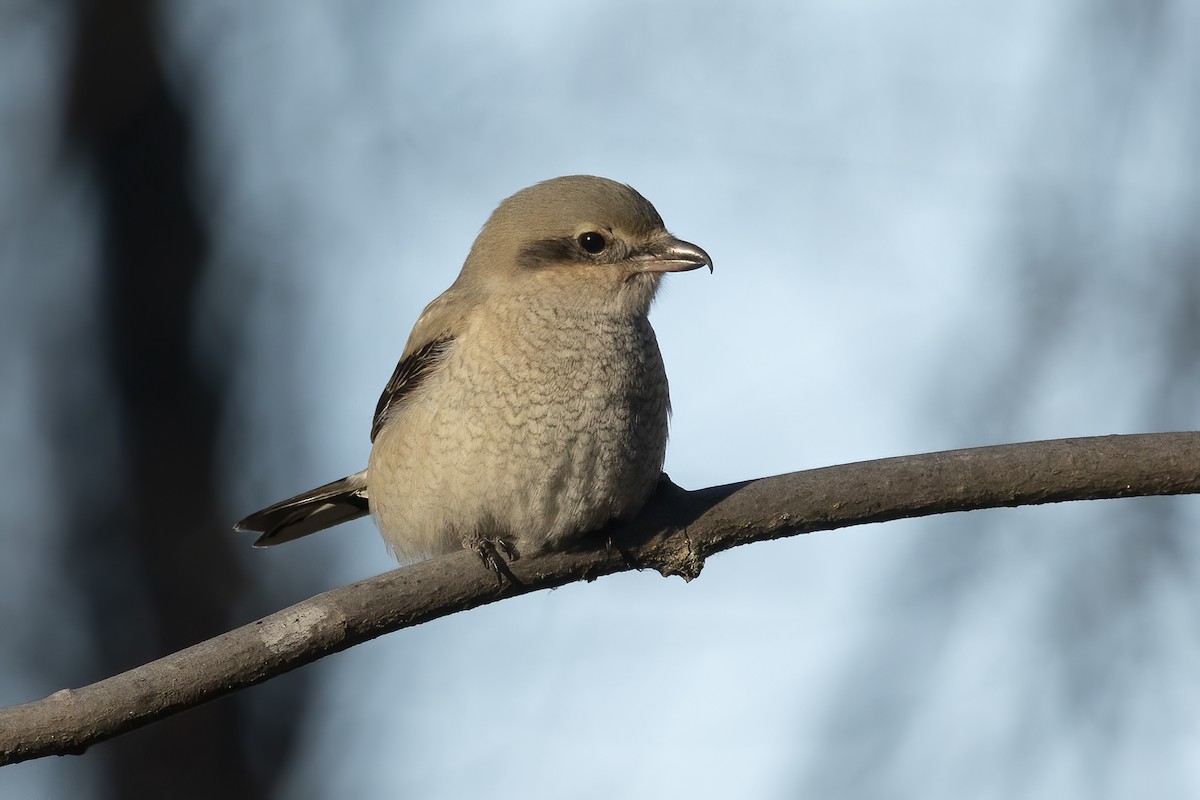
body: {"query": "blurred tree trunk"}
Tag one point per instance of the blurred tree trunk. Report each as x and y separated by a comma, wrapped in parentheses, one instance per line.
(148, 558)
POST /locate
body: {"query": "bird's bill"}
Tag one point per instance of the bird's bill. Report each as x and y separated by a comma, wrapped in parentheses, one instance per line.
(671, 255)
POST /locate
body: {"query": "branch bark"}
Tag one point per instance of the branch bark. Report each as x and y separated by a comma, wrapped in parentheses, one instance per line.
(674, 536)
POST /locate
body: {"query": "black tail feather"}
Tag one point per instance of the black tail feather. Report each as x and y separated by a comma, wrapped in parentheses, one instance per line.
(315, 510)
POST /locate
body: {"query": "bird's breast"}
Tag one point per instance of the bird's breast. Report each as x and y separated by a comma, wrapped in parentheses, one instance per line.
(540, 425)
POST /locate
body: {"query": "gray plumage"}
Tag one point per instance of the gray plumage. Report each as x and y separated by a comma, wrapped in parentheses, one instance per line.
(530, 404)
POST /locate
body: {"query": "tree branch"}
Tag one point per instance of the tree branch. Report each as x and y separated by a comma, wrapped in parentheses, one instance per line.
(678, 531)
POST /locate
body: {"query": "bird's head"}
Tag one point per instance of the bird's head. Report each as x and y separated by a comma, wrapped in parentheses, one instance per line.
(580, 242)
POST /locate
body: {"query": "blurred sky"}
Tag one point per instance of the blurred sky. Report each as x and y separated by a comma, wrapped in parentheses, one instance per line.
(935, 224)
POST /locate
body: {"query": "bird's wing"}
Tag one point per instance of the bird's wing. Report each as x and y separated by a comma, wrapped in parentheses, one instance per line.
(410, 372)
(427, 347)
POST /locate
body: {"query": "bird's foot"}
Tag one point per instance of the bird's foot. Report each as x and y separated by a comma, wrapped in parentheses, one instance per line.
(495, 555)
(611, 544)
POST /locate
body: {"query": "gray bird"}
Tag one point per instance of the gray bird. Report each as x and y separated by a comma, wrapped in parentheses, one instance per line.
(530, 404)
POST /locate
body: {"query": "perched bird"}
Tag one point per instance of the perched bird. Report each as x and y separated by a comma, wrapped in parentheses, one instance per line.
(530, 404)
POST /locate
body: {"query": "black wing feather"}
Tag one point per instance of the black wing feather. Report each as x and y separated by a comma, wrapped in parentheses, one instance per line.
(410, 372)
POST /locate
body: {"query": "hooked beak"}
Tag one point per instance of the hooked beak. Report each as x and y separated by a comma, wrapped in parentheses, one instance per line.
(669, 254)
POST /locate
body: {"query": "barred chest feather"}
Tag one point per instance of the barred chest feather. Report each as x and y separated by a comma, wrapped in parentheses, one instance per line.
(539, 426)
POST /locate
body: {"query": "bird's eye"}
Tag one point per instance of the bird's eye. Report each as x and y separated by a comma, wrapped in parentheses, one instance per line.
(592, 242)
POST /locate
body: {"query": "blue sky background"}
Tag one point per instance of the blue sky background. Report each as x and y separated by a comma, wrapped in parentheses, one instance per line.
(935, 225)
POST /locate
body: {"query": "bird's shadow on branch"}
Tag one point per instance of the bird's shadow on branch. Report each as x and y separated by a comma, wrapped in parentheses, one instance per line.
(657, 538)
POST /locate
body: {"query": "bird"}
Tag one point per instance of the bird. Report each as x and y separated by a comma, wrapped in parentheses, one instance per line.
(530, 405)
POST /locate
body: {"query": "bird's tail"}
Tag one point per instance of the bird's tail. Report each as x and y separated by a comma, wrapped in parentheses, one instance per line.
(315, 510)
